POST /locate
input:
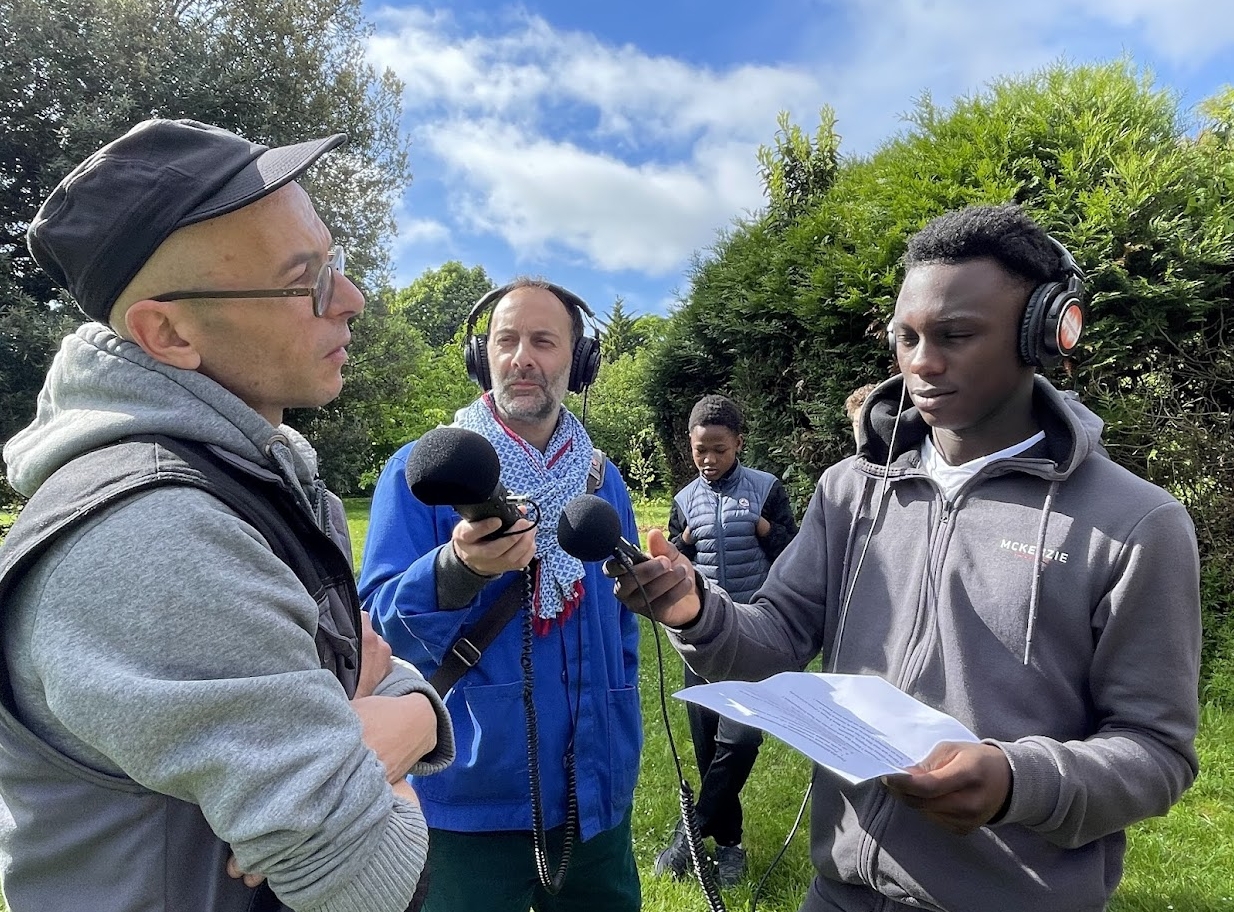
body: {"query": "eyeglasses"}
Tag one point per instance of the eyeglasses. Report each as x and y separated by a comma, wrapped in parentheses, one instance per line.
(321, 292)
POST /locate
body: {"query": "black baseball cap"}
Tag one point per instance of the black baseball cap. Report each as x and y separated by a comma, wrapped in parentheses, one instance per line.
(103, 221)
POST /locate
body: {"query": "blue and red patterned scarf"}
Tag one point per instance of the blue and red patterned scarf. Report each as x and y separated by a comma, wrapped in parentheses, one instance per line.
(550, 479)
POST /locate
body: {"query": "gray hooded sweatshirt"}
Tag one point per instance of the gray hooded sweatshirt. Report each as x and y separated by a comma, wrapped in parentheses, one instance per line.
(1052, 607)
(162, 644)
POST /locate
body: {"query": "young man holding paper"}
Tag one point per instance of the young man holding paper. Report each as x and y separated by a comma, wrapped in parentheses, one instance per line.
(982, 553)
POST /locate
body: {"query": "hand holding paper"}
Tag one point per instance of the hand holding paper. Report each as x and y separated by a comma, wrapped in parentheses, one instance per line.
(961, 786)
(857, 726)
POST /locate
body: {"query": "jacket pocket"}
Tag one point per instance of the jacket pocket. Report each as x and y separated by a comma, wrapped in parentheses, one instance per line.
(490, 736)
(625, 744)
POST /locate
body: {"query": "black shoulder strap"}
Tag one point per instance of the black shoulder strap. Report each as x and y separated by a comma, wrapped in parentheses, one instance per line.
(465, 654)
(106, 476)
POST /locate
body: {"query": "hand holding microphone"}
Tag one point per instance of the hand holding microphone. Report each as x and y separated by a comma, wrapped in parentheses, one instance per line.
(660, 586)
(455, 467)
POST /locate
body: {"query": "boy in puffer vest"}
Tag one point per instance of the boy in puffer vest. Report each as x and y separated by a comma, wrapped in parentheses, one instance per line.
(732, 522)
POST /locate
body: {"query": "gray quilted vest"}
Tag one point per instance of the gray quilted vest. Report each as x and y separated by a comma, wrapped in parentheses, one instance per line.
(82, 839)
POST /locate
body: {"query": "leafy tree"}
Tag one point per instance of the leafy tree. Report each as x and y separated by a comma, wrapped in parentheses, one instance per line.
(619, 337)
(77, 73)
(438, 302)
(27, 333)
(787, 309)
(649, 329)
(799, 170)
(625, 334)
(619, 420)
(644, 460)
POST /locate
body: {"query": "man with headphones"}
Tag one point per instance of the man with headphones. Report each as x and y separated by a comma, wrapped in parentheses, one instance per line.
(983, 553)
(535, 813)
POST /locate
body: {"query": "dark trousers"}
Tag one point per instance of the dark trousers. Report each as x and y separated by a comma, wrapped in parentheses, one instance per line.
(496, 872)
(725, 751)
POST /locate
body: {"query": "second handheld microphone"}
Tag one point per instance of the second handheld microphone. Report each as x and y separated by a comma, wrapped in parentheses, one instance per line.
(590, 530)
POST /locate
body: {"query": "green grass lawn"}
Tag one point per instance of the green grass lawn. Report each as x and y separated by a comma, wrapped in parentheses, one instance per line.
(1183, 862)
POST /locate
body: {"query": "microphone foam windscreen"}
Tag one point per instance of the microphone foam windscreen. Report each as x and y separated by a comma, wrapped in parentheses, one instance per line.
(589, 528)
(452, 465)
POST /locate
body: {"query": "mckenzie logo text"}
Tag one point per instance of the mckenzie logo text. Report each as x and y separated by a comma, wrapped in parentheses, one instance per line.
(1049, 556)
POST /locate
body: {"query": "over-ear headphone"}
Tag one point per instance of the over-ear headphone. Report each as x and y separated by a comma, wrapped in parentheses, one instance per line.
(1053, 319)
(584, 363)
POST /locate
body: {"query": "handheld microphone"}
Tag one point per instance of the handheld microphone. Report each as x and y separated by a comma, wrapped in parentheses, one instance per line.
(455, 467)
(590, 529)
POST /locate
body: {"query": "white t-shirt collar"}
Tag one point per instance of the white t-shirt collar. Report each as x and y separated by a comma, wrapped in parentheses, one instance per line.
(951, 478)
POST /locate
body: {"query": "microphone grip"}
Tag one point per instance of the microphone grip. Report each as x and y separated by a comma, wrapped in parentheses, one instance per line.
(497, 505)
(630, 552)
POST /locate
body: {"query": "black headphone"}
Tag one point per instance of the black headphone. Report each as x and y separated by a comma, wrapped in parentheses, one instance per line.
(584, 363)
(1053, 319)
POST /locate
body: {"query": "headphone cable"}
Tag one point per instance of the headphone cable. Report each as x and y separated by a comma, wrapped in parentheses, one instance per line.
(835, 652)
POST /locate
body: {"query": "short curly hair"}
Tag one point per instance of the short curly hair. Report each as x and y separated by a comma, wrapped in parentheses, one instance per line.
(1004, 233)
(856, 399)
(716, 409)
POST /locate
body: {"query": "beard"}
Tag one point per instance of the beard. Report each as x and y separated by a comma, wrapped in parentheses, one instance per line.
(526, 406)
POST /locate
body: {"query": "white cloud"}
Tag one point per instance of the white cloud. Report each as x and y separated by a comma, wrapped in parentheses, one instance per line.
(527, 127)
(416, 233)
(538, 194)
(1185, 31)
(420, 231)
(462, 73)
(562, 145)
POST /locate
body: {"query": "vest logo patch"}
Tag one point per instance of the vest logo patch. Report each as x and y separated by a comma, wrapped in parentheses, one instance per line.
(745, 503)
(1026, 550)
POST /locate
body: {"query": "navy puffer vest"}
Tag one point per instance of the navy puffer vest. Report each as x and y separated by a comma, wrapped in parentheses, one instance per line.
(722, 517)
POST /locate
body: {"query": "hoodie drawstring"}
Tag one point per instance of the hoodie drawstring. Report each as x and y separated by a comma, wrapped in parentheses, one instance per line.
(1038, 566)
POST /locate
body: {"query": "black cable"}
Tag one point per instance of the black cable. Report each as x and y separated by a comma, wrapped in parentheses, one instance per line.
(835, 652)
(552, 883)
(704, 868)
(758, 887)
(534, 518)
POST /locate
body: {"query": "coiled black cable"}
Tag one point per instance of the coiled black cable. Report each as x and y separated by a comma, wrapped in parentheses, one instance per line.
(552, 882)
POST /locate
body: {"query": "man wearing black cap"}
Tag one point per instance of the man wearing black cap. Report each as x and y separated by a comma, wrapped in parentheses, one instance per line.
(194, 715)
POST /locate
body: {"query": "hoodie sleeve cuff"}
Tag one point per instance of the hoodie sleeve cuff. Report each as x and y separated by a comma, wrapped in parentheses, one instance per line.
(1034, 784)
(708, 622)
(405, 679)
(393, 868)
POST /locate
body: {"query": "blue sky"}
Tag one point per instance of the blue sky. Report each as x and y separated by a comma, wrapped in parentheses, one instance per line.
(601, 144)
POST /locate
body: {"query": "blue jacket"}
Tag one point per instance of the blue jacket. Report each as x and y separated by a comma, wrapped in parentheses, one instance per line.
(586, 668)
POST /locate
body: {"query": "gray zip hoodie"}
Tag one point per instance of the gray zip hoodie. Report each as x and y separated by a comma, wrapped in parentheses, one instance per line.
(164, 642)
(1052, 607)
